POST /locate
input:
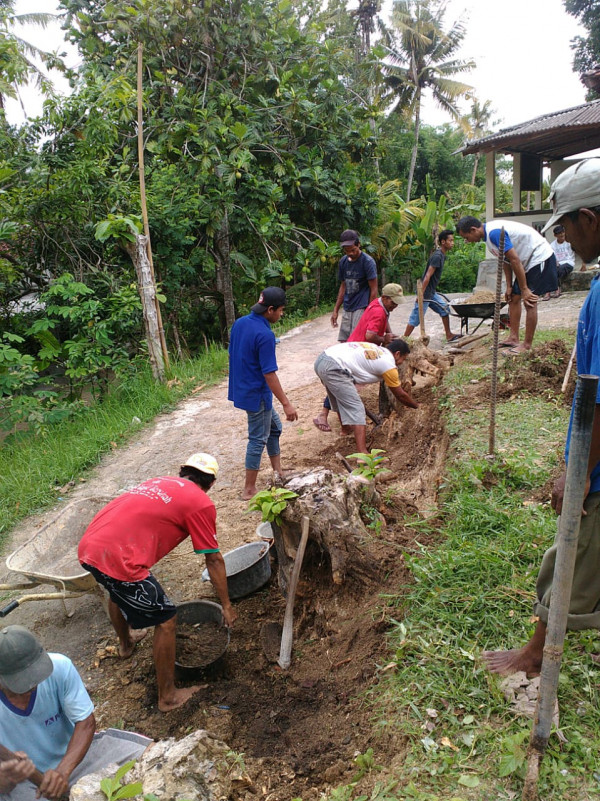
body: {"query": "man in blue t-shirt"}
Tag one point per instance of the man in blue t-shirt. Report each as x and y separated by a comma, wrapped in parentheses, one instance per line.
(47, 720)
(253, 381)
(575, 198)
(358, 284)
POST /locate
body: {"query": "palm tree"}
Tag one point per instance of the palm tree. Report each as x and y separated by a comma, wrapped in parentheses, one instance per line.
(478, 123)
(16, 54)
(420, 59)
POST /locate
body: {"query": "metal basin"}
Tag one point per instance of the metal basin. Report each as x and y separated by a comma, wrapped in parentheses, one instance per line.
(201, 611)
(248, 569)
(478, 310)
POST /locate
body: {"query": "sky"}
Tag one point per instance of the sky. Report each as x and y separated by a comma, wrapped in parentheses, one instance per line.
(521, 48)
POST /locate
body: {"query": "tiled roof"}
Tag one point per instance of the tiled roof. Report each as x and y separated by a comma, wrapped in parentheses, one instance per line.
(552, 136)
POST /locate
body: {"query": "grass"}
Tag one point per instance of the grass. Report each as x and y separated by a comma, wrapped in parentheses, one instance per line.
(473, 591)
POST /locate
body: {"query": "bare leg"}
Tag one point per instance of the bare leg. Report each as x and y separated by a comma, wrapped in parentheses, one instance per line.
(514, 315)
(250, 485)
(531, 319)
(528, 658)
(448, 332)
(169, 696)
(128, 638)
(345, 429)
(408, 330)
(360, 435)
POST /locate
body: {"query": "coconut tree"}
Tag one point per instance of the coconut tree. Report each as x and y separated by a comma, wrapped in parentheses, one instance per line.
(477, 123)
(17, 65)
(421, 58)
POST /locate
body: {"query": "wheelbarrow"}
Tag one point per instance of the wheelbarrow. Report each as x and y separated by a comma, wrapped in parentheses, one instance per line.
(468, 311)
(50, 557)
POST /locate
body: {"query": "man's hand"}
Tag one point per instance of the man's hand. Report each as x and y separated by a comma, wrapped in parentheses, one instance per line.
(290, 412)
(333, 318)
(528, 298)
(54, 786)
(388, 337)
(508, 294)
(15, 771)
(558, 491)
(229, 615)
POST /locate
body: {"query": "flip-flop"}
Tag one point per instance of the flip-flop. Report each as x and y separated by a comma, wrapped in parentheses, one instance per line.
(506, 344)
(514, 352)
(455, 338)
(321, 426)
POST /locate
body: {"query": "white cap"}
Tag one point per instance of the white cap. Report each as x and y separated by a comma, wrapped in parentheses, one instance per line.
(576, 188)
(203, 462)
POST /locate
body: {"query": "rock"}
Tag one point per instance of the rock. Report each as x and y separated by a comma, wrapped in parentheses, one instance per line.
(198, 767)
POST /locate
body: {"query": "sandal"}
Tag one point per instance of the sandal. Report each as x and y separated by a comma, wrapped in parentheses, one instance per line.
(321, 425)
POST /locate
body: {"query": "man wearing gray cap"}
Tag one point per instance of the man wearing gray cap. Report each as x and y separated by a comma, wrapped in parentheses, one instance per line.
(47, 720)
(575, 198)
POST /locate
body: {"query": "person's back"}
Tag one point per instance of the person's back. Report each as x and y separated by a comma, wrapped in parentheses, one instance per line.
(134, 531)
(531, 247)
(251, 355)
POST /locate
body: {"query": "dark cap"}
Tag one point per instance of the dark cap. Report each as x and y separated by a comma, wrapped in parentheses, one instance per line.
(349, 238)
(270, 296)
(24, 662)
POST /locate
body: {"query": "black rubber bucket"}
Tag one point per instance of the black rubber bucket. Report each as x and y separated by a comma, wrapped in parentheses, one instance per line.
(248, 569)
(191, 613)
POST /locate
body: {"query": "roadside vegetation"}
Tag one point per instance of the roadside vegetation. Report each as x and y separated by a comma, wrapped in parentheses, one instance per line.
(474, 568)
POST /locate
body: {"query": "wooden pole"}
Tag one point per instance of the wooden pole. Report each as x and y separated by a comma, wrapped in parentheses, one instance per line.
(494, 384)
(140, 141)
(285, 653)
(584, 405)
(569, 368)
(424, 337)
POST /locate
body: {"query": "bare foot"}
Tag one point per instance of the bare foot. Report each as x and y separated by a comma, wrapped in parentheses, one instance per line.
(135, 636)
(249, 493)
(508, 343)
(177, 699)
(513, 661)
(520, 349)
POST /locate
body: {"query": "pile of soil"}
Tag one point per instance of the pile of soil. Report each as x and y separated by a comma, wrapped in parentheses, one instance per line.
(540, 371)
(199, 644)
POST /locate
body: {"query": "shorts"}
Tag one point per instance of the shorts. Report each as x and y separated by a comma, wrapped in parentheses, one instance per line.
(541, 278)
(341, 391)
(349, 322)
(143, 603)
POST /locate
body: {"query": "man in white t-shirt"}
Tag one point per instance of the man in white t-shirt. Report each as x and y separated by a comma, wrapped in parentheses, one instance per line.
(529, 269)
(342, 366)
(565, 258)
(47, 720)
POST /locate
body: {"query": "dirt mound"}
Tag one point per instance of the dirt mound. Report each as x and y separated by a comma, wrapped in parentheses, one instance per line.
(539, 372)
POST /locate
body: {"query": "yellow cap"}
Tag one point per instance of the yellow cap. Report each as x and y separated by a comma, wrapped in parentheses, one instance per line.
(203, 462)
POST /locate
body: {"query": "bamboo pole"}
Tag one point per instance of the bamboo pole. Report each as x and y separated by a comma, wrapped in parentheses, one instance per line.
(584, 405)
(494, 384)
(140, 141)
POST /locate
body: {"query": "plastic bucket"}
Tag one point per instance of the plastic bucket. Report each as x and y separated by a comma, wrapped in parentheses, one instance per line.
(248, 569)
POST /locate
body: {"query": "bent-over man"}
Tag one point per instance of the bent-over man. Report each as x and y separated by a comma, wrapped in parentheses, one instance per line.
(342, 366)
(130, 535)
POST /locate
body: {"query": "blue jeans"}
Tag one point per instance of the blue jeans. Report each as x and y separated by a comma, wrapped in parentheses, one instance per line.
(264, 428)
(438, 304)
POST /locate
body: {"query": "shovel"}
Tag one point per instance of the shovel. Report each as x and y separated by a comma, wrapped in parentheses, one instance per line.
(424, 337)
(285, 654)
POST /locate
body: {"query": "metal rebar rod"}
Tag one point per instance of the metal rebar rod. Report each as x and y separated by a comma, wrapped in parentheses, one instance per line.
(494, 383)
(584, 405)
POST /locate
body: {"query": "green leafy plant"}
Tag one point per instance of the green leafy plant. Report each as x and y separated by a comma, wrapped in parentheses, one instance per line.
(271, 503)
(114, 789)
(370, 465)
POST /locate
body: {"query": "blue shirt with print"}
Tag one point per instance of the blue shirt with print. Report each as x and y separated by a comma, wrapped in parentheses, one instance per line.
(357, 275)
(251, 355)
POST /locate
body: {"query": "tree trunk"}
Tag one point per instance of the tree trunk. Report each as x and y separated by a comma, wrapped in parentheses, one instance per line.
(413, 158)
(138, 253)
(223, 277)
(475, 169)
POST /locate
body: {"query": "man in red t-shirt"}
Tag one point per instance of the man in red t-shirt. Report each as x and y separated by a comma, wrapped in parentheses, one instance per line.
(130, 535)
(373, 326)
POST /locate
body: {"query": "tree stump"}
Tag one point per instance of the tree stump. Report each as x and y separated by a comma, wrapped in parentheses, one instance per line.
(420, 360)
(332, 503)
